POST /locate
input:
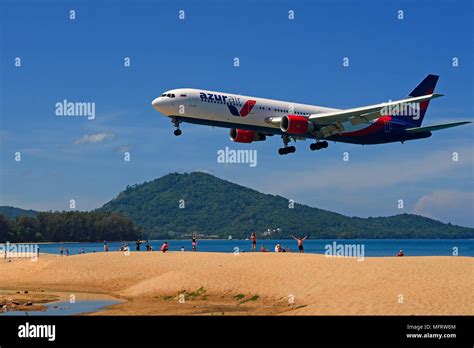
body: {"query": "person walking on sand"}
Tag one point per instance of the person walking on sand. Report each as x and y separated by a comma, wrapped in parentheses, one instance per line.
(300, 240)
(194, 242)
(253, 238)
(164, 247)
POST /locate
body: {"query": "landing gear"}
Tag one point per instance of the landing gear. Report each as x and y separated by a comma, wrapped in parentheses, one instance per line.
(286, 149)
(319, 145)
(176, 123)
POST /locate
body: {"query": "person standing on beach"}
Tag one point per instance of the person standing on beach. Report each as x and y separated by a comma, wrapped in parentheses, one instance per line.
(138, 243)
(194, 242)
(67, 252)
(300, 243)
(37, 251)
(253, 238)
(106, 247)
(61, 251)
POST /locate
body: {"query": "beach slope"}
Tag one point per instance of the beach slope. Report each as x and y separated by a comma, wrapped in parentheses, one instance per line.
(254, 283)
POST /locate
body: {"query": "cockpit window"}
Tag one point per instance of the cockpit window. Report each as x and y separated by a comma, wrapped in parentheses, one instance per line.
(163, 95)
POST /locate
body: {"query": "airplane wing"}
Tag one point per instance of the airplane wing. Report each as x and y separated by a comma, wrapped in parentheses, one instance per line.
(331, 122)
(365, 113)
(435, 127)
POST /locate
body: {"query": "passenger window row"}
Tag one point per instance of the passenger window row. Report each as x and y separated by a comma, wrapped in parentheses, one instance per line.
(260, 107)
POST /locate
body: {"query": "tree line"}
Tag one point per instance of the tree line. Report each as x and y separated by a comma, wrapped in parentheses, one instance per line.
(64, 226)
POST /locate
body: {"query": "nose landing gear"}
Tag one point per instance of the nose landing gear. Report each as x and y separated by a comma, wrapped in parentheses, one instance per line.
(176, 123)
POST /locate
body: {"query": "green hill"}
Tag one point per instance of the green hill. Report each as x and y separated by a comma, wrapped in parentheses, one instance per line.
(212, 206)
(12, 212)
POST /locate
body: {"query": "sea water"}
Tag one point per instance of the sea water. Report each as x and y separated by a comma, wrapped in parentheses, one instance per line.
(372, 247)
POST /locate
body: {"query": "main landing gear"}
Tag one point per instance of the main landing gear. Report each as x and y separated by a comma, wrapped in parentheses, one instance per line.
(286, 149)
(319, 145)
(176, 123)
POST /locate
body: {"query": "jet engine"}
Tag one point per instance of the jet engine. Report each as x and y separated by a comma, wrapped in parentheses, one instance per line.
(245, 136)
(296, 124)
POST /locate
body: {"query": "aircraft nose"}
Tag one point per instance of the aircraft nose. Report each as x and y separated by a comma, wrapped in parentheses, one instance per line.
(156, 103)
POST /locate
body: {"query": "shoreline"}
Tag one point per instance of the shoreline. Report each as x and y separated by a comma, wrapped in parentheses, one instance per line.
(237, 239)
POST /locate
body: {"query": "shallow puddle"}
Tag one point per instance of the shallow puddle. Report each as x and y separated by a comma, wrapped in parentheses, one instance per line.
(68, 304)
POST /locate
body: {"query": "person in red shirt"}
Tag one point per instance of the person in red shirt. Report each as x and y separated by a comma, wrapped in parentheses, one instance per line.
(164, 247)
(400, 253)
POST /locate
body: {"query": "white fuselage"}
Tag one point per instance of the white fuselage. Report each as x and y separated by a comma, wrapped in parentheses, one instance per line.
(231, 110)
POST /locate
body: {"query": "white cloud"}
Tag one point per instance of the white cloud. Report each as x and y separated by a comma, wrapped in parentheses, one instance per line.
(122, 149)
(447, 206)
(93, 138)
(380, 173)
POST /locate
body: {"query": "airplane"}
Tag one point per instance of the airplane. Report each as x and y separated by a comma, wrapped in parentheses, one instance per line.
(254, 119)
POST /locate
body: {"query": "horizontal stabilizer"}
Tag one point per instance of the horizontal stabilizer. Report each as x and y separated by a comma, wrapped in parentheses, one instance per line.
(435, 127)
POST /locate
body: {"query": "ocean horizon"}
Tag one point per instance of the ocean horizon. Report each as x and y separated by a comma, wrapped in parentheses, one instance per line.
(372, 247)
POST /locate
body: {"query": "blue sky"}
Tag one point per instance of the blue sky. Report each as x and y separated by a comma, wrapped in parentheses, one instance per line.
(297, 60)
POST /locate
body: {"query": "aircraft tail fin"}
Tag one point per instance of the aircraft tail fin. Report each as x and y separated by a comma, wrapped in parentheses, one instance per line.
(413, 114)
(427, 86)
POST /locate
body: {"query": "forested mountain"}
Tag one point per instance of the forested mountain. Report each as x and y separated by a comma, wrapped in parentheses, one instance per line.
(178, 204)
(71, 226)
(12, 212)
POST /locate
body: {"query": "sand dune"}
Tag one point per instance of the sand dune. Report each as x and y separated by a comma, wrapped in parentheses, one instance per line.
(255, 283)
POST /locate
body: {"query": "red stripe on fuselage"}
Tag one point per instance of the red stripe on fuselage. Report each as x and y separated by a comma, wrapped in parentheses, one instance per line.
(373, 128)
(248, 106)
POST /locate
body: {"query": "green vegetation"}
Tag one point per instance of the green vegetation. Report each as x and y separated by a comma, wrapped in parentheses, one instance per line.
(251, 299)
(192, 295)
(213, 206)
(238, 297)
(12, 212)
(176, 205)
(68, 226)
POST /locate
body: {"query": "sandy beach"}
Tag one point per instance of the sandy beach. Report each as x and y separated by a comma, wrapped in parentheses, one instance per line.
(182, 283)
